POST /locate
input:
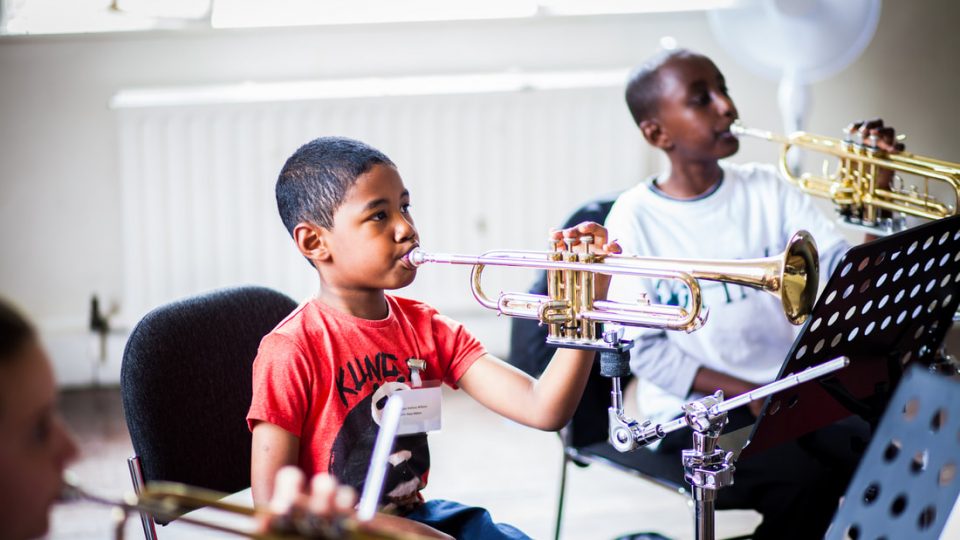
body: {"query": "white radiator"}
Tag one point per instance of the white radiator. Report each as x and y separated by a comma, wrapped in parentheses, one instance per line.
(490, 162)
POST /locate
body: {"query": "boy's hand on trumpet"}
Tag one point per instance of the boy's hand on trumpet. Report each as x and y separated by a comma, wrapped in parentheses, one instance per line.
(886, 140)
(598, 243)
(294, 509)
(327, 510)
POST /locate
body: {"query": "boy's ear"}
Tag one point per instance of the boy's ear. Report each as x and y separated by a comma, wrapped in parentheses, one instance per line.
(311, 240)
(655, 135)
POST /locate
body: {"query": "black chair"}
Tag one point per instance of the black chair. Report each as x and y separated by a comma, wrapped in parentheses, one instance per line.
(585, 442)
(186, 388)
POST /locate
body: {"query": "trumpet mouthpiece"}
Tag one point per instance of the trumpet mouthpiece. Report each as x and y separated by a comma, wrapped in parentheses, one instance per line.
(415, 257)
(70, 491)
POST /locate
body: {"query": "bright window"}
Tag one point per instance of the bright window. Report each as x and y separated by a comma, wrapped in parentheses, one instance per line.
(21, 17)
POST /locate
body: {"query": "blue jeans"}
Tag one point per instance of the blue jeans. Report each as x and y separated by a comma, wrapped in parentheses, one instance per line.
(463, 522)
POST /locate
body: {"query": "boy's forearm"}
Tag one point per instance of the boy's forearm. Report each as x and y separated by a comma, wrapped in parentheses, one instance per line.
(708, 381)
(272, 449)
(559, 389)
(546, 403)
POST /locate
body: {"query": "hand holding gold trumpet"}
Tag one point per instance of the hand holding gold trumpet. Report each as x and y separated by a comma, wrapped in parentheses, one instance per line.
(326, 507)
(595, 236)
(326, 513)
(883, 138)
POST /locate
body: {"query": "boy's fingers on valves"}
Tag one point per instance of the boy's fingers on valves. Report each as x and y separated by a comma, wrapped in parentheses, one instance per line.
(592, 232)
(886, 135)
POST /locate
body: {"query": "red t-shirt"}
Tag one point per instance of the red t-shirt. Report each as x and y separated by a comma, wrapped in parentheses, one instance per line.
(320, 373)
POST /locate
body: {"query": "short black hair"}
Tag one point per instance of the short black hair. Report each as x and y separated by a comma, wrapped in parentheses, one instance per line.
(15, 331)
(643, 85)
(316, 178)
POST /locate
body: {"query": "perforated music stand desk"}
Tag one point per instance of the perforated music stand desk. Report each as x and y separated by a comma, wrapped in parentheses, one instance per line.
(906, 484)
(889, 304)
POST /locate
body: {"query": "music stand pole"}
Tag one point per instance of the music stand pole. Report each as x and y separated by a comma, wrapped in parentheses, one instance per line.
(707, 467)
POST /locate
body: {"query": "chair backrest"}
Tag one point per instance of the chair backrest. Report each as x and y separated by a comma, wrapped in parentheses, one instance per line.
(186, 385)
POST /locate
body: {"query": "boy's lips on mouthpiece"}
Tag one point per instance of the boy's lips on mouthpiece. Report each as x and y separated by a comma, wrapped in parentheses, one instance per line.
(406, 257)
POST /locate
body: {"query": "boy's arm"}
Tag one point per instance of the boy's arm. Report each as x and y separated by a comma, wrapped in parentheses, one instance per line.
(708, 381)
(658, 360)
(273, 448)
(546, 403)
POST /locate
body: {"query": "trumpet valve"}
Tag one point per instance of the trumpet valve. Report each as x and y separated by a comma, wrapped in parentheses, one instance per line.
(586, 240)
(554, 312)
(848, 133)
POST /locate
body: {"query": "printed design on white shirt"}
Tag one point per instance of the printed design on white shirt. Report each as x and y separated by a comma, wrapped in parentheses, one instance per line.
(671, 292)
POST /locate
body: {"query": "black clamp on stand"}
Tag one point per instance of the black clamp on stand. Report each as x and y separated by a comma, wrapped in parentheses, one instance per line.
(707, 467)
(625, 433)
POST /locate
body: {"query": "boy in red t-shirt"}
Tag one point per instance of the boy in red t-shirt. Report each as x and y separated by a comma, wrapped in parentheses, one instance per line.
(321, 376)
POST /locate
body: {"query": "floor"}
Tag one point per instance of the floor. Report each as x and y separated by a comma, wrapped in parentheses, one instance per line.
(478, 459)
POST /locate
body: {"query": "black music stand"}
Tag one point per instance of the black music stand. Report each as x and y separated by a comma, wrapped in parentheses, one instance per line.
(889, 304)
(907, 481)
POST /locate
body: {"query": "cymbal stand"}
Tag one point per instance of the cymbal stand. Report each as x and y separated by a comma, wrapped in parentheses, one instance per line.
(707, 467)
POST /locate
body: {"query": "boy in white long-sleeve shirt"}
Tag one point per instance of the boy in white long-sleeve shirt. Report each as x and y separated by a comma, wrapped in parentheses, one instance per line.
(704, 208)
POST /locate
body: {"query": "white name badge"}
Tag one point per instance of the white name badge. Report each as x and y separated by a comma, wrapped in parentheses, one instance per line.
(421, 409)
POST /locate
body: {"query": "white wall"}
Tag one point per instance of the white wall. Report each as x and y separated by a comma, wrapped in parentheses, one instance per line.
(59, 188)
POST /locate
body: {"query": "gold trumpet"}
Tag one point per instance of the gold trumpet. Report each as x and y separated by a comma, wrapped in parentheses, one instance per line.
(853, 185)
(571, 311)
(169, 501)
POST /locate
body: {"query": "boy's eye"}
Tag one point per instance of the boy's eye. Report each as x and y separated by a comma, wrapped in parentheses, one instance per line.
(405, 208)
(379, 216)
(42, 429)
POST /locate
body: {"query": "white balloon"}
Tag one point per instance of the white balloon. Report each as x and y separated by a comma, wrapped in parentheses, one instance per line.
(796, 42)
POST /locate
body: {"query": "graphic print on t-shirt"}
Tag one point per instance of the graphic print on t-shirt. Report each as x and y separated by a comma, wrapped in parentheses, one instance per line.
(671, 292)
(350, 454)
(371, 370)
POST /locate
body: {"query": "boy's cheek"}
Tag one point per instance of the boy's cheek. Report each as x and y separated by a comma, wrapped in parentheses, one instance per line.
(24, 497)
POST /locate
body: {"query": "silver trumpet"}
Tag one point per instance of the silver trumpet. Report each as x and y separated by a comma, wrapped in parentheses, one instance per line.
(571, 310)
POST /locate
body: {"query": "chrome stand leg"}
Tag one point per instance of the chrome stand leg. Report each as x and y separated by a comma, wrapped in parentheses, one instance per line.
(563, 487)
(706, 467)
(136, 475)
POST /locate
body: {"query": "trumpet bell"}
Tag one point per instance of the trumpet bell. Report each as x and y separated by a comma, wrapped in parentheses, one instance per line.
(800, 277)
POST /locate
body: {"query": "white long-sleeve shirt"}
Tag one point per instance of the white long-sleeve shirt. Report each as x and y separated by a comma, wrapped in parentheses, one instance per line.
(751, 213)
